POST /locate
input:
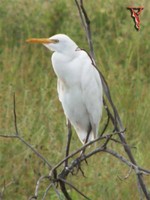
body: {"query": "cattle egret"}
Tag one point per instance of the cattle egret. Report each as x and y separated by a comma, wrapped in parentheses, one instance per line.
(79, 84)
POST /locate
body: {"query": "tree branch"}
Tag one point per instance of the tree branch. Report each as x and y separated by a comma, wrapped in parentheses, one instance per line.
(81, 148)
(116, 118)
(21, 139)
(86, 24)
(47, 189)
(72, 186)
(15, 116)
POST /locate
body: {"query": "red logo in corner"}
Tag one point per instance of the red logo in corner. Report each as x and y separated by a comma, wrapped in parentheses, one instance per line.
(135, 14)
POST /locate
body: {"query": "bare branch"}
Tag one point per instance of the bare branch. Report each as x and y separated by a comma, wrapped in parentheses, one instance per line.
(127, 175)
(37, 187)
(47, 189)
(108, 119)
(15, 116)
(64, 190)
(58, 194)
(35, 151)
(72, 186)
(119, 142)
(28, 145)
(9, 136)
(138, 170)
(22, 140)
(4, 188)
(81, 148)
(38, 184)
(86, 24)
(116, 118)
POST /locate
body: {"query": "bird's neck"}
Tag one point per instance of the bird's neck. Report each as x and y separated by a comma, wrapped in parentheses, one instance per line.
(66, 55)
(65, 66)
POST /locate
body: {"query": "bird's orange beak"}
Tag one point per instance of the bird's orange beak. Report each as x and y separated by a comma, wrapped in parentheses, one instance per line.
(42, 40)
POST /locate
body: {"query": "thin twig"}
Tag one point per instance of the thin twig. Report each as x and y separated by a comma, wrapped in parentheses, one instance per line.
(57, 192)
(15, 116)
(137, 169)
(86, 24)
(22, 140)
(80, 13)
(81, 148)
(72, 186)
(88, 30)
(144, 170)
(127, 175)
(35, 151)
(9, 136)
(4, 188)
(37, 187)
(140, 190)
(130, 164)
(64, 190)
(28, 145)
(76, 162)
(119, 142)
(108, 119)
(46, 192)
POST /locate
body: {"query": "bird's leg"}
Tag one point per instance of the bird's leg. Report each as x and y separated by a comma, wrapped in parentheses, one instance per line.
(88, 134)
(68, 141)
(82, 152)
(86, 140)
(78, 160)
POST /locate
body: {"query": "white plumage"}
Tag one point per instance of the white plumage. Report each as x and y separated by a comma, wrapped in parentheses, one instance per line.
(79, 85)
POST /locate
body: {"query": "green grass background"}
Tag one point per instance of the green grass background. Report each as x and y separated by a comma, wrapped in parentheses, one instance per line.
(123, 56)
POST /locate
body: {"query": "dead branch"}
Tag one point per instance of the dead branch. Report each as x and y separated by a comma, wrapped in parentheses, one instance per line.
(81, 148)
(30, 147)
(116, 118)
(72, 186)
(127, 175)
(17, 135)
(86, 24)
(57, 192)
(47, 189)
(4, 188)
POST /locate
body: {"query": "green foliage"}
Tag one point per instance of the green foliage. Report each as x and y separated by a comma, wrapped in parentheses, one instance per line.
(122, 54)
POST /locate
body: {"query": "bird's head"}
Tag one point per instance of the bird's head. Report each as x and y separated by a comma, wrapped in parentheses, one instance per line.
(59, 43)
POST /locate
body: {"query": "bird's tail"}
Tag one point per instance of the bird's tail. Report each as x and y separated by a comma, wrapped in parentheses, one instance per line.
(83, 135)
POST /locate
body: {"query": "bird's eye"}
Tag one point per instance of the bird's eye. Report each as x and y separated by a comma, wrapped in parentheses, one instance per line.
(55, 40)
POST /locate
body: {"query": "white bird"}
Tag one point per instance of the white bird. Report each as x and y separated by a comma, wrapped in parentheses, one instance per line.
(79, 85)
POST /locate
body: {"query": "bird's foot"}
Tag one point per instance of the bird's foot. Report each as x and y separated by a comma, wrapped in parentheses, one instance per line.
(69, 170)
(78, 166)
(82, 156)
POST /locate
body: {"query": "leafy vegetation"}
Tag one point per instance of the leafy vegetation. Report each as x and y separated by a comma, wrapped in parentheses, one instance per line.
(122, 55)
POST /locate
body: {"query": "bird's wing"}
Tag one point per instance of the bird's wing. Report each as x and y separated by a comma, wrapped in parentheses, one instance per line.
(92, 92)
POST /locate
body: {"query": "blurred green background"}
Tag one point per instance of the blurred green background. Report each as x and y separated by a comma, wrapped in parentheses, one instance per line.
(122, 54)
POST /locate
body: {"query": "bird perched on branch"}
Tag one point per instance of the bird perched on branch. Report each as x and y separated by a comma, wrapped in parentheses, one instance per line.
(79, 84)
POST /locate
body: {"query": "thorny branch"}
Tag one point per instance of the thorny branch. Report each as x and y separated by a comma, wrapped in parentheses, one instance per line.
(72, 161)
